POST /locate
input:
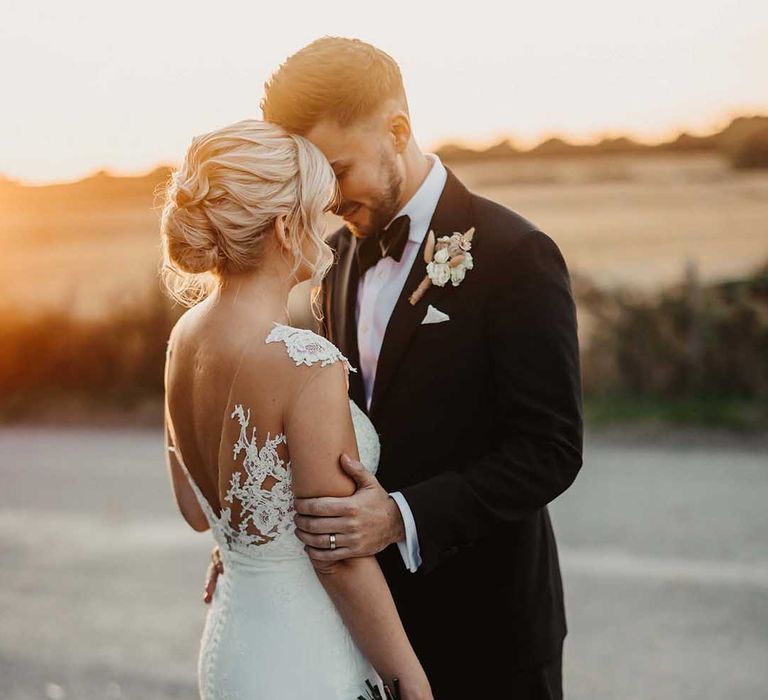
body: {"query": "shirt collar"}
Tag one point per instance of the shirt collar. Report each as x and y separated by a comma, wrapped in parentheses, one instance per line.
(421, 207)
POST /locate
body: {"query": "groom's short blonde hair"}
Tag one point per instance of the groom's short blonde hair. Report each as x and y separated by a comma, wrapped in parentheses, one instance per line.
(333, 77)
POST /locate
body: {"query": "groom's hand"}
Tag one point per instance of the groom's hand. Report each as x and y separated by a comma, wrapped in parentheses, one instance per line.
(364, 523)
(215, 568)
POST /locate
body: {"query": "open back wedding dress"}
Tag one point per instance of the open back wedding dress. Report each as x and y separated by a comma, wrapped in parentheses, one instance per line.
(272, 631)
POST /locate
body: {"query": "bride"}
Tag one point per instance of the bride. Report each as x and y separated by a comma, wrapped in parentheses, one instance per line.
(257, 412)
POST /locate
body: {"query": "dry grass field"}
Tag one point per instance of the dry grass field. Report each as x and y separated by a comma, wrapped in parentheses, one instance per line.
(619, 219)
(629, 220)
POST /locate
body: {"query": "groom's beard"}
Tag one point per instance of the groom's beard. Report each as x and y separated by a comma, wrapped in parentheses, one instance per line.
(385, 207)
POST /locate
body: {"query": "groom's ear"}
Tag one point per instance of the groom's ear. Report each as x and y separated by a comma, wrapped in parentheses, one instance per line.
(400, 130)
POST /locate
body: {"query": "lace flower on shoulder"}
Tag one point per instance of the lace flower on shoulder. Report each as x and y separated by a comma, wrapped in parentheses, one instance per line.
(307, 347)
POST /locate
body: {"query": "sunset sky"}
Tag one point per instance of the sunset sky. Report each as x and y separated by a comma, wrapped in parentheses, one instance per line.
(124, 86)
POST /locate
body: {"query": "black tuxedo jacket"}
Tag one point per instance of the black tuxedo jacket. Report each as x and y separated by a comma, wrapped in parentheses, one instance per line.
(480, 422)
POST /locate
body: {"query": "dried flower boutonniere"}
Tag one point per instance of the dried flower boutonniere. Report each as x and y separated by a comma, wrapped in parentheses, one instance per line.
(448, 258)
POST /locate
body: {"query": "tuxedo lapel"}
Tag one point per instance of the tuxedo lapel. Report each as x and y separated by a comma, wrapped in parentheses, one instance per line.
(344, 317)
(453, 213)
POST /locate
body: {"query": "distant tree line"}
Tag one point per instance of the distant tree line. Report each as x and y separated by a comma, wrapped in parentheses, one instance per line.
(744, 142)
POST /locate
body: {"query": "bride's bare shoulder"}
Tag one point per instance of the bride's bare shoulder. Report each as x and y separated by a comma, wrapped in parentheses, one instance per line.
(189, 325)
(272, 357)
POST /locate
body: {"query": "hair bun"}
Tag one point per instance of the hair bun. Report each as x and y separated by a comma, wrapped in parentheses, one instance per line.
(192, 240)
(221, 205)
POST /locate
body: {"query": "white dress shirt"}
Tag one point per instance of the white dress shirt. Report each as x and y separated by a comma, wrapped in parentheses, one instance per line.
(377, 293)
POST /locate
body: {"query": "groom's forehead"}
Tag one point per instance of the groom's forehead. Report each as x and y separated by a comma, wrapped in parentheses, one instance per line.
(337, 142)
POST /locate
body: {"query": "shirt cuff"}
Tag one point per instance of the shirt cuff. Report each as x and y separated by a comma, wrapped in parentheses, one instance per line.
(409, 548)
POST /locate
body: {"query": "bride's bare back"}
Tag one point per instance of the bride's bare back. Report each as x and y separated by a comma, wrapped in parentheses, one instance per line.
(230, 394)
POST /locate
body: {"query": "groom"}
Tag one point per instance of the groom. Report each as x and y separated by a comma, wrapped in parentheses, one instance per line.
(475, 389)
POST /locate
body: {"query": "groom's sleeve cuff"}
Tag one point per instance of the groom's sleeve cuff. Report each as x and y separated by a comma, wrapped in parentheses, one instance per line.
(409, 549)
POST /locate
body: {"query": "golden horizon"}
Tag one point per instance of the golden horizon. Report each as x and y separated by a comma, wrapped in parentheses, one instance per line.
(643, 137)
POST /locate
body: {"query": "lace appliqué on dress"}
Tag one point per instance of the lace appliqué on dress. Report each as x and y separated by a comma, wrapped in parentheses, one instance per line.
(306, 347)
(264, 513)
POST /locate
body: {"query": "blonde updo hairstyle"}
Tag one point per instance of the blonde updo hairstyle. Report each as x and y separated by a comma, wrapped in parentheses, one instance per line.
(221, 205)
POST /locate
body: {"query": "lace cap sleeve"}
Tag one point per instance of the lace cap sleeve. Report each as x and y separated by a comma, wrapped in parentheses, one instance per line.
(307, 347)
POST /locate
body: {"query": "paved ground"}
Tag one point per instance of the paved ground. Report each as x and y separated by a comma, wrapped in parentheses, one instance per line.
(663, 538)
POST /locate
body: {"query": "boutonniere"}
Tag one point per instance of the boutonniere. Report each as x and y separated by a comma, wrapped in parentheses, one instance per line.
(448, 258)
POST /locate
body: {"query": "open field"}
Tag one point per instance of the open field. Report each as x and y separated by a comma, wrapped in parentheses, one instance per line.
(618, 219)
(662, 541)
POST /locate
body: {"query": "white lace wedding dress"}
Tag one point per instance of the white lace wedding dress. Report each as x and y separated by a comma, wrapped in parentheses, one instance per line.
(272, 632)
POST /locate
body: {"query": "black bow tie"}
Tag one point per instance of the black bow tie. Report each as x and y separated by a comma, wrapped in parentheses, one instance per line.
(387, 242)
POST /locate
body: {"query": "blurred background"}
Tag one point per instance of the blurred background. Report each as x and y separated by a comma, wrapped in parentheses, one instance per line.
(635, 135)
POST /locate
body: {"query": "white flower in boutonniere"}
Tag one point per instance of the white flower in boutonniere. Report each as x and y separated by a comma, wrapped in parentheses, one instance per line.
(448, 259)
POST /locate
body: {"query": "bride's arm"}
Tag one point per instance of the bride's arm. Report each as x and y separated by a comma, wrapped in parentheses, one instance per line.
(182, 490)
(318, 430)
(187, 502)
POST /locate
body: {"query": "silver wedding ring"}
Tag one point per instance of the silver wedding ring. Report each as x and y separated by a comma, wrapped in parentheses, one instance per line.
(333, 541)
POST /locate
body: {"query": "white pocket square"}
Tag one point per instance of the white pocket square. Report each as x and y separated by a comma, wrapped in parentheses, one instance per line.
(434, 315)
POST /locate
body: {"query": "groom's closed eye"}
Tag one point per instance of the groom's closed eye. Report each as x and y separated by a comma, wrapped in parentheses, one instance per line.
(339, 207)
(340, 168)
(345, 208)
